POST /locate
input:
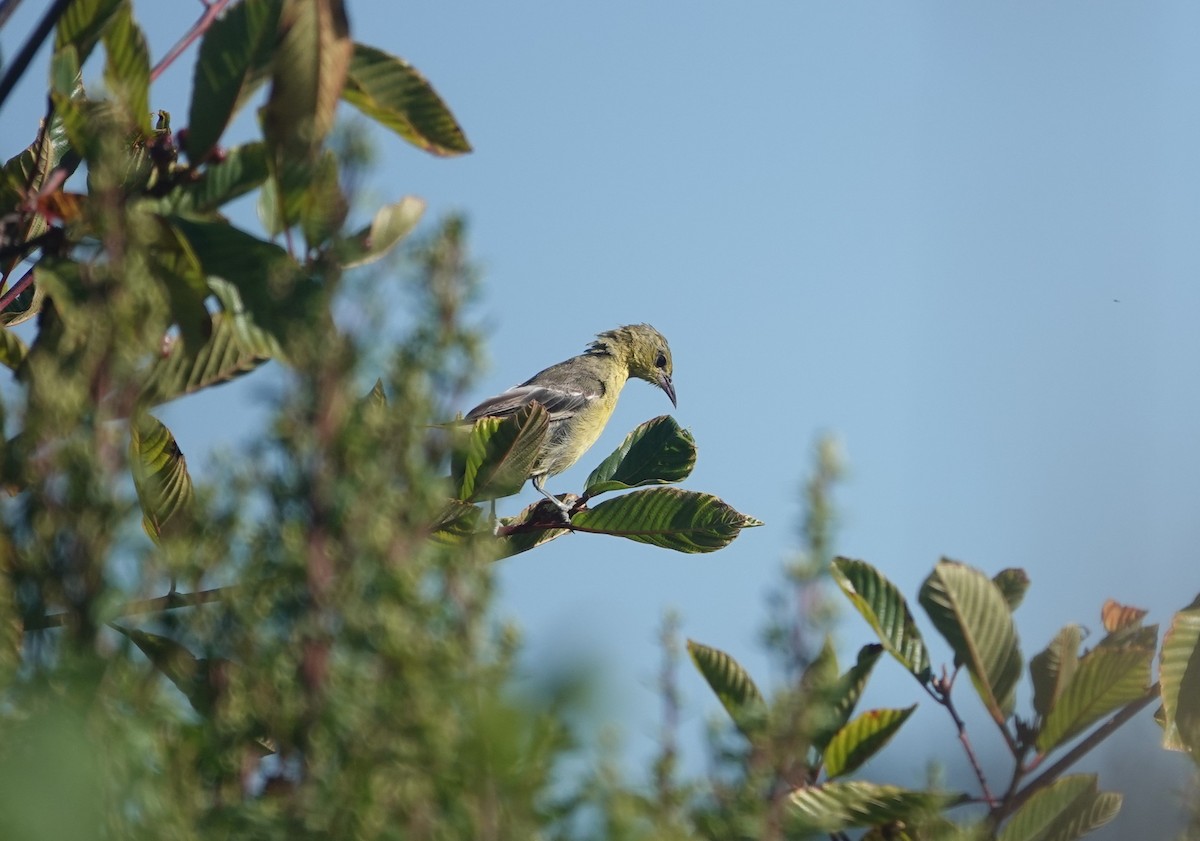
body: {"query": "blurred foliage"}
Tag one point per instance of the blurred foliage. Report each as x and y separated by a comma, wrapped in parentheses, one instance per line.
(303, 645)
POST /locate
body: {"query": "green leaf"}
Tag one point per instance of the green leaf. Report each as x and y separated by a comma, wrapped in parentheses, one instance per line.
(846, 692)
(263, 273)
(308, 74)
(732, 685)
(886, 611)
(177, 269)
(324, 206)
(1179, 673)
(658, 452)
(500, 454)
(160, 473)
(1066, 809)
(127, 71)
(456, 522)
(533, 527)
(969, 610)
(243, 168)
(1013, 583)
(862, 738)
(1052, 669)
(673, 519)
(82, 24)
(236, 346)
(234, 59)
(837, 806)
(12, 349)
(1107, 678)
(392, 223)
(388, 90)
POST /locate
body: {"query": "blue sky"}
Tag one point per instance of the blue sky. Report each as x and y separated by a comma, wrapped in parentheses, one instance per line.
(959, 237)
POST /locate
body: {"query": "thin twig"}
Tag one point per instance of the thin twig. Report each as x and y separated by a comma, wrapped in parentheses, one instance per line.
(21, 62)
(157, 605)
(945, 700)
(15, 290)
(211, 11)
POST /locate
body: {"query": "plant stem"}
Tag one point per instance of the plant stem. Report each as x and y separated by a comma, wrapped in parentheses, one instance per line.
(211, 11)
(945, 701)
(170, 601)
(21, 62)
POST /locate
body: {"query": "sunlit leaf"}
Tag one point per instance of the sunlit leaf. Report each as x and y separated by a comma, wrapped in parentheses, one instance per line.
(160, 473)
(1064, 810)
(500, 454)
(732, 685)
(846, 691)
(12, 349)
(82, 24)
(1106, 679)
(1052, 669)
(391, 224)
(127, 71)
(862, 738)
(388, 90)
(1179, 672)
(233, 61)
(884, 608)
(657, 452)
(242, 169)
(236, 346)
(970, 612)
(837, 806)
(673, 519)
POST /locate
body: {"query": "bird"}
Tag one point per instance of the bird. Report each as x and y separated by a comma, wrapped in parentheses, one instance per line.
(581, 393)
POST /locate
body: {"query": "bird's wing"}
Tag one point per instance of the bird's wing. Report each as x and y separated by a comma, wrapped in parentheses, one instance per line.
(561, 403)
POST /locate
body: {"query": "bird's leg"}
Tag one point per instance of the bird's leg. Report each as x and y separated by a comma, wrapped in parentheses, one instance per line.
(563, 508)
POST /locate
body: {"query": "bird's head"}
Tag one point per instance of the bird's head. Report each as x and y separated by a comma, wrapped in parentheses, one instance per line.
(644, 350)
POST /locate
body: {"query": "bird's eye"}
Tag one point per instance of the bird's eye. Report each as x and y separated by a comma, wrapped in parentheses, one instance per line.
(661, 362)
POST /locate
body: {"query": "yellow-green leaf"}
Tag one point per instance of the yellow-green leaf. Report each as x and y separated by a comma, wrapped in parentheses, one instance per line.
(668, 517)
(862, 738)
(160, 473)
(658, 452)
(732, 685)
(1064, 810)
(1179, 671)
(886, 611)
(971, 613)
(1106, 679)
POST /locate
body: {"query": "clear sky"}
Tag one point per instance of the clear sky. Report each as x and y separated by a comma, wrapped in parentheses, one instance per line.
(960, 237)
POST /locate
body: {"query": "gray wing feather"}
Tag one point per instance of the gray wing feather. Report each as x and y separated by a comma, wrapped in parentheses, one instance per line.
(560, 403)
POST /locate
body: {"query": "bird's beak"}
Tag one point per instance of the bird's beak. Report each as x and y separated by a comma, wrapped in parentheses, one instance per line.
(664, 382)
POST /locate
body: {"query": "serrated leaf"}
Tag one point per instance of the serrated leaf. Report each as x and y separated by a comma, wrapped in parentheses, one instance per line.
(658, 452)
(1107, 678)
(500, 453)
(390, 91)
(862, 738)
(82, 23)
(127, 70)
(1064, 810)
(886, 611)
(160, 473)
(12, 349)
(673, 519)
(1052, 669)
(243, 168)
(969, 610)
(1012, 583)
(235, 347)
(1179, 674)
(1118, 617)
(846, 692)
(837, 806)
(392, 223)
(233, 60)
(732, 685)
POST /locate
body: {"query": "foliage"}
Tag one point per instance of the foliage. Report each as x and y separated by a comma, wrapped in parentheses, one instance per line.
(1086, 694)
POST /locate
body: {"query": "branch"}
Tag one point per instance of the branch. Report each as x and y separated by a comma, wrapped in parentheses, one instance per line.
(211, 11)
(19, 65)
(15, 290)
(943, 698)
(1076, 753)
(170, 601)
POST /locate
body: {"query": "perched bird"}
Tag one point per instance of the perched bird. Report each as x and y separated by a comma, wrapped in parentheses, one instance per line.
(581, 393)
